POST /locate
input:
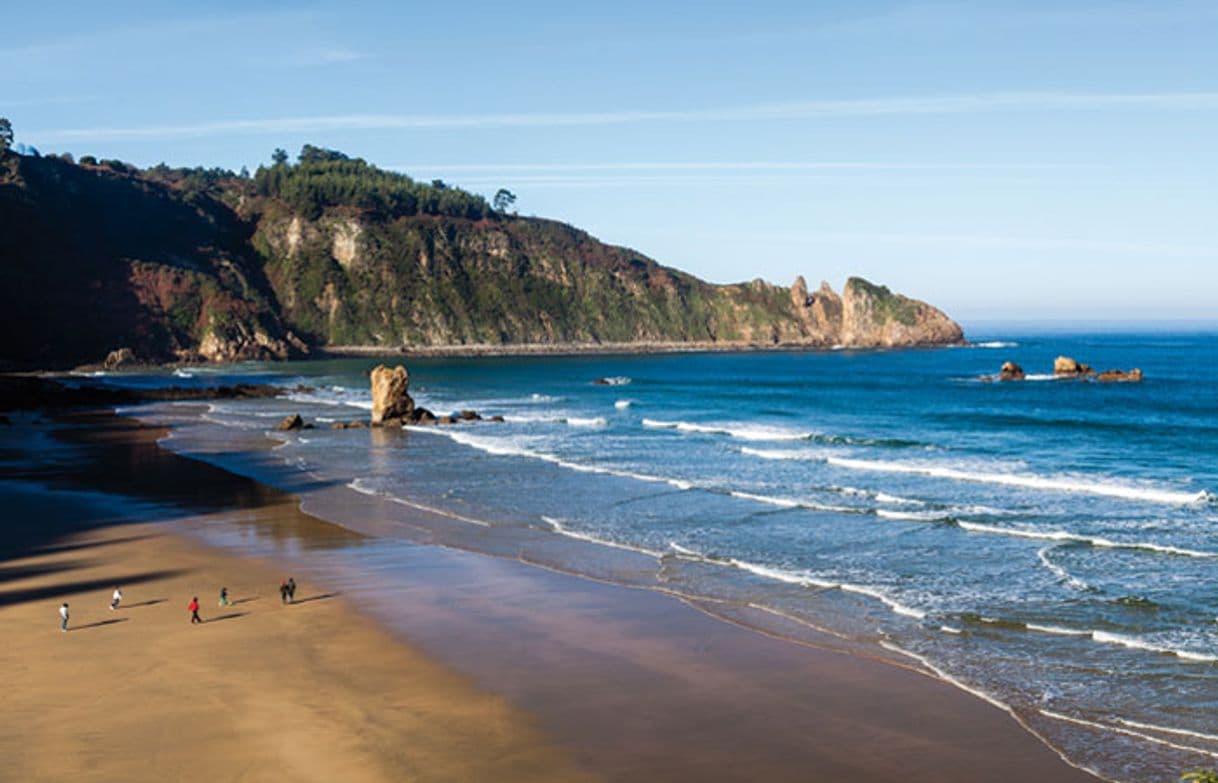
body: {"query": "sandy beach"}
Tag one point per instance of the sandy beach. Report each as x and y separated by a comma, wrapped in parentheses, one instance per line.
(487, 670)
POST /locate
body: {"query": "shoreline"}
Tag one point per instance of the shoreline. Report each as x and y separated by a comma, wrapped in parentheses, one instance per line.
(864, 706)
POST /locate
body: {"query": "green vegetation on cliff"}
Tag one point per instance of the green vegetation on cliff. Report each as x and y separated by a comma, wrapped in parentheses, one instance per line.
(211, 264)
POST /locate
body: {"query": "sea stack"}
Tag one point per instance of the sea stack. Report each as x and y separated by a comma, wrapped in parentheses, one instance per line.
(390, 399)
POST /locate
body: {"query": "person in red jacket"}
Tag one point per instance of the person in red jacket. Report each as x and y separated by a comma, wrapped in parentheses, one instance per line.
(193, 606)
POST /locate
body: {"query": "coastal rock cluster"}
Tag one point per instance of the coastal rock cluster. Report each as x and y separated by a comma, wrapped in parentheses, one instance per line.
(1065, 367)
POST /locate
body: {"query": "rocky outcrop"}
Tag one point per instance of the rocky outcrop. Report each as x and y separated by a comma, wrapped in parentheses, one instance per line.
(1065, 366)
(119, 358)
(1120, 376)
(1011, 372)
(875, 317)
(390, 394)
(293, 422)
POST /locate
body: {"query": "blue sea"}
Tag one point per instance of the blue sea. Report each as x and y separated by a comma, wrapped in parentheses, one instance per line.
(1049, 545)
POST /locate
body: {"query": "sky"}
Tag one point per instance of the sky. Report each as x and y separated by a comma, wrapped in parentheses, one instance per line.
(1003, 160)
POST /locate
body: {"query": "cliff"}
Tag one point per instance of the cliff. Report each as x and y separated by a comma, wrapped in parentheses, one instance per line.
(205, 265)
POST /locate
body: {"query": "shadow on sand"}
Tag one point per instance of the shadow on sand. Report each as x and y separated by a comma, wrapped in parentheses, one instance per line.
(320, 597)
(229, 616)
(144, 603)
(100, 623)
(240, 601)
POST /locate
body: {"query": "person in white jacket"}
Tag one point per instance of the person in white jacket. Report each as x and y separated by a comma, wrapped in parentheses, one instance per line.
(63, 617)
(116, 599)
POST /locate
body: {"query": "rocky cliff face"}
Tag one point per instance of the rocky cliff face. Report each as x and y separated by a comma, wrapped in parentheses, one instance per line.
(101, 257)
(428, 281)
(93, 259)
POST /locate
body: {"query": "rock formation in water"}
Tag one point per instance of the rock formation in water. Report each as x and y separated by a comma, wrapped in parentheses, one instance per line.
(391, 399)
(1011, 372)
(1064, 365)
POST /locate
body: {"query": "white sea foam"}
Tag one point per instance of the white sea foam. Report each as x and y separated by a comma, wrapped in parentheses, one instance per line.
(932, 515)
(1055, 630)
(791, 502)
(782, 454)
(505, 447)
(361, 486)
(951, 629)
(617, 380)
(891, 603)
(741, 431)
(686, 551)
(994, 344)
(570, 421)
(180, 373)
(1127, 732)
(884, 497)
(1095, 541)
(1081, 485)
(536, 397)
(806, 579)
(980, 694)
(560, 528)
(1062, 574)
(1168, 730)
(1133, 642)
(622, 405)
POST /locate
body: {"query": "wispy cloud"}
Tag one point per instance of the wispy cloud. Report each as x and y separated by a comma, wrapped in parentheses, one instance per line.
(816, 109)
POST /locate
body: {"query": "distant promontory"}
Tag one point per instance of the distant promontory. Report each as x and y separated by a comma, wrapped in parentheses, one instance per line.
(333, 253)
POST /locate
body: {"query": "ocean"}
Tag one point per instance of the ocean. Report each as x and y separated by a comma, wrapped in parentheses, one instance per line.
(1049, 545)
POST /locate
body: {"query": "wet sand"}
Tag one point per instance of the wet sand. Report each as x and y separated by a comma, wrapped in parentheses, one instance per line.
(479, 668)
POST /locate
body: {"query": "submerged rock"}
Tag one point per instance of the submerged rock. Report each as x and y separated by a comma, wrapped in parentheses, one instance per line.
(469, 416)
(390, 397)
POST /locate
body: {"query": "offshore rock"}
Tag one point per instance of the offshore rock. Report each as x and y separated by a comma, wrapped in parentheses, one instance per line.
(1011, 372)
(1120, 376)
(1064, 365)
(390, 399)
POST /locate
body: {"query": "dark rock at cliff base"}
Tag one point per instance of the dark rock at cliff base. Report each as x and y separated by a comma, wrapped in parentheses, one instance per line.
(1120, 376)
(469, 416)
(1011, 372)
(293, 422)
(390, 397)
(1064, 365)
(392, 423)
(447, 420)
(496, 418)
(117, 359)
(424, 416)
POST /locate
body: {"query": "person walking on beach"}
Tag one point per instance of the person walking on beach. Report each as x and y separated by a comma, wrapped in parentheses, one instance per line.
(63, 617)
(193, 606)
(223, 596)
(291, 590)
(116, 599)
(283, 591)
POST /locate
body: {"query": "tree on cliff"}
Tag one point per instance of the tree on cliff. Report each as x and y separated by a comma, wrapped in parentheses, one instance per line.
(6, 134)
(279, 156)
(504, 199)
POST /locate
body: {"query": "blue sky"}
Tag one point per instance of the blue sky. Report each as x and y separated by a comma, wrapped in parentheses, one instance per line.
(1003, 160)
